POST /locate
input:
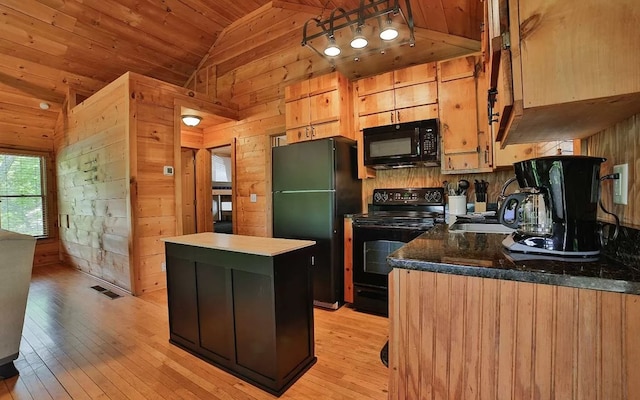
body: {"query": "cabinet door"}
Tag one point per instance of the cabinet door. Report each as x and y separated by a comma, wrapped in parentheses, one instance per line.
(458, 116)
(416, 95)
(457, 68)
(325, 107)
(296, 91)
(376, 103)
(413, 75)
(513, 153)
(377, 119)
(417, 113)
(297, 113)
(461, 162)
(182, 301)
(255, 325)
(322, 131)
(374, 84)
(323, 83)
(215, 310)
(298, 134)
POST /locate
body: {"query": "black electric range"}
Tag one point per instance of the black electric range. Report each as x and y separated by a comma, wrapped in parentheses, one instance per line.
(395, 217)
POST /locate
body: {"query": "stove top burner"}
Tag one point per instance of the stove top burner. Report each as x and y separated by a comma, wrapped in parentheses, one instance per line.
(413, 208)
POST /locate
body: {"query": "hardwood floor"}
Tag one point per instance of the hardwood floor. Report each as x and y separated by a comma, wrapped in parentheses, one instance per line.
(79, 344)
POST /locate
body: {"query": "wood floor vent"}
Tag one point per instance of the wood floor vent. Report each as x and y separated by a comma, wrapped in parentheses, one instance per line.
(106, 292)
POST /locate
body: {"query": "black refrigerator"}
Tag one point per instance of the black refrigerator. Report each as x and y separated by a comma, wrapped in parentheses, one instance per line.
(315, 184)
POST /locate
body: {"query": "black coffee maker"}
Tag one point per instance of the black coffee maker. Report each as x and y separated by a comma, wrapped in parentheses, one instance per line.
(555, 211)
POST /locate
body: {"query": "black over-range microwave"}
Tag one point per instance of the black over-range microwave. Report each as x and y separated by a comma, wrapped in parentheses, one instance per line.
(402, 145)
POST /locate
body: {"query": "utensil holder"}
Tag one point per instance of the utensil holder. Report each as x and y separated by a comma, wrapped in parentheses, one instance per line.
(457, 205)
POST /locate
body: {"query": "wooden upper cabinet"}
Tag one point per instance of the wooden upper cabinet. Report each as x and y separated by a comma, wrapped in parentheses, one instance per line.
(459, 105)
(570, 67)
(319, 107)
(414, 75)
(387, 94)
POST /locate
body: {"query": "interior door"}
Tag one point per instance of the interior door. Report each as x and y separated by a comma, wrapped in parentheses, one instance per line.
(188, 192)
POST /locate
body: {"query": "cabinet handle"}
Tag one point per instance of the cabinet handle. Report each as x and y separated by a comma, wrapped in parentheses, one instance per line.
(313, 131)
(450, 166)
(491, 102)
(398, 114)
(392, 117)
(306, 132)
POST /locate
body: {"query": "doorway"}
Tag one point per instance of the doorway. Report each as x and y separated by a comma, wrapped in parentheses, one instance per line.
(222, 189)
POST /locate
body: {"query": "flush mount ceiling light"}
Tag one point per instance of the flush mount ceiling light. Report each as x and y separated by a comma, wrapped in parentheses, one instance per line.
(191, 120)
(327, 37)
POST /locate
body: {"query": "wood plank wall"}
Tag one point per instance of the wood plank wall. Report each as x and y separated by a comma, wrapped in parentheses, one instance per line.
(256, 83)
(154, 201)
(24, 126)
(92, 172)
(457, 337)
(620, 144)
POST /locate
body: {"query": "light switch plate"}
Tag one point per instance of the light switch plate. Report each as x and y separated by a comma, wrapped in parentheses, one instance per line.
(168, 170)
(621, 185)
(253, 197)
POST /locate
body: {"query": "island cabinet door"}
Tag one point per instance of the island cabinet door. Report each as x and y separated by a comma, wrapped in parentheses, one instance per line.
(255, 323)
(183, 306)
(215, 312)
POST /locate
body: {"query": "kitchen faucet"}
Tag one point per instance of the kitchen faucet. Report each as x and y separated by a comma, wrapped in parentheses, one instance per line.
(502, 196)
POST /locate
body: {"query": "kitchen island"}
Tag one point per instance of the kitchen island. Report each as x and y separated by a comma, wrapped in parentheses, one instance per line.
(244, 304)
(469, 321)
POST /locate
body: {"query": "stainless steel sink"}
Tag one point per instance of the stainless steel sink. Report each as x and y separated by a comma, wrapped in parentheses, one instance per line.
(478, 227)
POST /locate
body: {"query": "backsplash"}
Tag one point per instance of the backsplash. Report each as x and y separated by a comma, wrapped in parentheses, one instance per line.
(620, 144)
(431, 177)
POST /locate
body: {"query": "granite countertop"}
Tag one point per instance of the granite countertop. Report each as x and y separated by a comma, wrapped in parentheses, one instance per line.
(482, 255)
(262, 246)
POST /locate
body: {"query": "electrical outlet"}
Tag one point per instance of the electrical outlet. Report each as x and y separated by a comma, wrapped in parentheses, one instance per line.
(163, 266)
(253, 197)
(621, 185)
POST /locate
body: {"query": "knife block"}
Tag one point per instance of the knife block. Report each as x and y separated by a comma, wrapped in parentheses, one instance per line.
(480, 206)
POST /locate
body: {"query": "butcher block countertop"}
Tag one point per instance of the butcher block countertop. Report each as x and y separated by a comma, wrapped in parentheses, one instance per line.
(261, 246)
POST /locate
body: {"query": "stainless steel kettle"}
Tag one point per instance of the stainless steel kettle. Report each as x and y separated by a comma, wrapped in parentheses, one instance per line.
(528, 212)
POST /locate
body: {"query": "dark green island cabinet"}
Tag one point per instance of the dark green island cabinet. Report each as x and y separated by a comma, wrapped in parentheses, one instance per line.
(244, 304)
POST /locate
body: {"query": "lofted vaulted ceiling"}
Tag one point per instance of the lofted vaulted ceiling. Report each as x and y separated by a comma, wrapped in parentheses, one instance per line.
(49, 46)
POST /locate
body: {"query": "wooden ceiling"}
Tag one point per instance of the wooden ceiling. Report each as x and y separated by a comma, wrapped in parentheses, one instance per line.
(49, 46)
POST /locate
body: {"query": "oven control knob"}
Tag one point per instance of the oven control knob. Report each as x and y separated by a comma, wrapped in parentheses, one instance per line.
(385, 196)
(377, 197)
(433, 197)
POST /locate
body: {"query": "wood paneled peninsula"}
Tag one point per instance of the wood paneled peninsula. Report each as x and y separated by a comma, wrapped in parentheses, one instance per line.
(470, 322)
(244, 304)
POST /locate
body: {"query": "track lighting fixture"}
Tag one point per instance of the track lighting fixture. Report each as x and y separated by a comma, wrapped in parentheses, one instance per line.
(327, 38)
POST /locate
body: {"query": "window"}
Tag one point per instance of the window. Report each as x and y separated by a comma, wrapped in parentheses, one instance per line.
(23, 201)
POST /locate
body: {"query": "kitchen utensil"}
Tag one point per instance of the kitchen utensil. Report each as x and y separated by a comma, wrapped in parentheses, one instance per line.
(463, 185)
